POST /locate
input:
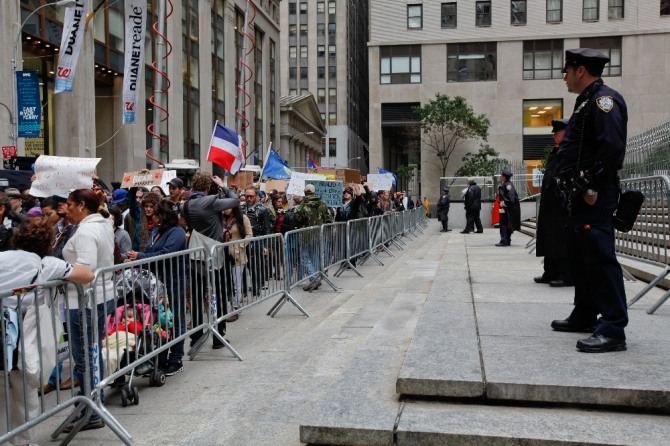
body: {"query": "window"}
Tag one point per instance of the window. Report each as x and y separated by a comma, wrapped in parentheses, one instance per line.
(291, 8)
(543, 59)
(303, 52)
(400, 64)
(303, 29)
(332, 73)
(609, 46)
(483, 13)
(320, 29)
(518, 12)
(292, 30)
(554, 11)
(292, 72)
(331, 7)
(321, 95)
(471, 62)
(332, 120)
(332, 95)
(332, 29)
(665, 7)
(320, 7)
(449, 15)
(303, 7)
(321, 72)
(321, 50)
(590, 10)
(292, 52)
(331, 51)
(414, 16)
(332, 145)
(292, 92)
(537, 117)
(303, 72)
(615, 9)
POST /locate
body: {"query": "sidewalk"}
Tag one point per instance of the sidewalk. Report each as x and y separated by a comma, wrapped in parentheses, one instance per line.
(451, 313)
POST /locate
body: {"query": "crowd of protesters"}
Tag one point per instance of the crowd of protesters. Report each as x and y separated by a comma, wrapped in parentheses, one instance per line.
(94, 228)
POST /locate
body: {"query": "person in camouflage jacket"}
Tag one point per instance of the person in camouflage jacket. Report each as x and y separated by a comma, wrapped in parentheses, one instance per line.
(311, 212)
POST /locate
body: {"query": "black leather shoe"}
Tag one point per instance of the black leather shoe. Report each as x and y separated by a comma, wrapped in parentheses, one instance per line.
(465, 232)
(479, 232)
(598, 343)
(559, 283)
(573, 327)
(502, 244)
(541, 279)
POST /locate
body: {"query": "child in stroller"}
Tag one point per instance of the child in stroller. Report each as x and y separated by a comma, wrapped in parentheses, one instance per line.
(138, 326)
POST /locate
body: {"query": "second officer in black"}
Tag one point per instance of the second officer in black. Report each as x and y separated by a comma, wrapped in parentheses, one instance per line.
(587, 163)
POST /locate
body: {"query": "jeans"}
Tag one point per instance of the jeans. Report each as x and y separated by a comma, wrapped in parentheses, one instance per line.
(76, 337)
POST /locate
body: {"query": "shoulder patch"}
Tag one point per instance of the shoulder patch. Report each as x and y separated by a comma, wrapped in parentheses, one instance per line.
(509, 187)
(605, 103)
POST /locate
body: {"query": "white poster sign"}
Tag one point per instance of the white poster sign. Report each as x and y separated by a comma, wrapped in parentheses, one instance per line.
(296, 186)
(58, 175)
(381, 181)
(70, 45)
(136, 18)
(167, 176)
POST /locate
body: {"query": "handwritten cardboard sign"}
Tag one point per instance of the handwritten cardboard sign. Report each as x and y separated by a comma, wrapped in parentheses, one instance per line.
(167, 176)
(381, 181)
(296, 185)
(279, 185)
(60, 175)
(144, 178)
(330, 192)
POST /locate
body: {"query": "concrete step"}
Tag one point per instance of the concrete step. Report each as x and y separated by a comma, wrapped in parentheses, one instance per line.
(425, 423)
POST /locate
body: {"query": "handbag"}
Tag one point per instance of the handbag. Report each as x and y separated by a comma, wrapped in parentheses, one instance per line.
(630, 203)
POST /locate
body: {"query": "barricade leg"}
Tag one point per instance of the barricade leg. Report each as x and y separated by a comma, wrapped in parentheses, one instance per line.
(649, 286)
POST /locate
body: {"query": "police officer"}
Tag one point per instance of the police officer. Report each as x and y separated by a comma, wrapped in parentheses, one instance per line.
(590, 155)
(552, 220)
(473, 207)
(443, 210)
(510, 209)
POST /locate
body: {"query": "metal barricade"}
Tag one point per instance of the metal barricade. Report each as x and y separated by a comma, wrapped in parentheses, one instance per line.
(303, 258)
(393, 229)
(146, 317)
(33, 322)
(648, 240)
(334, 243)
(377, 242)
(357, 245)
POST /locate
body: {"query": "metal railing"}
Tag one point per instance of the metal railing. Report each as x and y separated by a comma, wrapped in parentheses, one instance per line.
(140, 313)
(648, 240)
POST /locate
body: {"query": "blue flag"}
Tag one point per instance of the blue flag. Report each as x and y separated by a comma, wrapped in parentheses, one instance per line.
(395, 178)
(256, 157)
(311, 164)
(275, 167)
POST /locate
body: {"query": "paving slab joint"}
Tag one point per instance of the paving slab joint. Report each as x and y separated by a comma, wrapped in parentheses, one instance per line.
(401, 407)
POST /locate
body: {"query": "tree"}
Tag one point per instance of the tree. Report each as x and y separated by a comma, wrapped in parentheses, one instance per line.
(478, 164)
(445, 123)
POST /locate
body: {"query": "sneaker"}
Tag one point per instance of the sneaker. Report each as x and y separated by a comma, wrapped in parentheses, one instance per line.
(173, 369)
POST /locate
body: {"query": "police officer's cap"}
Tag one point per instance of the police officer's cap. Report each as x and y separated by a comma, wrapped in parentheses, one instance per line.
(506, 172)
(445, 189)
(594, 61)
(558, 124)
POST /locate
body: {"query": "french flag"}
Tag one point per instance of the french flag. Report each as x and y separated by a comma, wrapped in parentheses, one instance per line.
(311, 164)
(225, 149)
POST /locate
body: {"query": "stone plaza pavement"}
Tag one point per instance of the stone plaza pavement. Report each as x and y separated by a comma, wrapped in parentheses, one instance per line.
(447, 343)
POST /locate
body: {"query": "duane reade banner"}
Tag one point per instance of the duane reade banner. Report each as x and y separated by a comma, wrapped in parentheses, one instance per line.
(136, 18)
(70, 45)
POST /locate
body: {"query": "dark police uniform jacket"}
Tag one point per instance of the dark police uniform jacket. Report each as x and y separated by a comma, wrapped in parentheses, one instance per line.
(598, 124)
(552, 218)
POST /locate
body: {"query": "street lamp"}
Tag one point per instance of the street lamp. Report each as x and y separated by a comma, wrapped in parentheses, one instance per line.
(14, 118)
(353, 159)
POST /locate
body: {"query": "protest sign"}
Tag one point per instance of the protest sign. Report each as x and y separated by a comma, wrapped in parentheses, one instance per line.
(242, 179)
(279, 185)
(167, 176)
(330, 192)
(142, 178)
(381, 181)
(296, 185)
(60, 175)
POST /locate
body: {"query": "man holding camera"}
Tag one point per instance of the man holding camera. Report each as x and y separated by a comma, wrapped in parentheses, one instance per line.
(587, 163)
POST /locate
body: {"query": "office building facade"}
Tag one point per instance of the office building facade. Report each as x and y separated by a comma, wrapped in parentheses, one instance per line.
(505, 58)
(323, 44)
(203, 71)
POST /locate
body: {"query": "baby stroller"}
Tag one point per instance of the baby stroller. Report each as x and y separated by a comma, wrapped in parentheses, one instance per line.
(141, 290)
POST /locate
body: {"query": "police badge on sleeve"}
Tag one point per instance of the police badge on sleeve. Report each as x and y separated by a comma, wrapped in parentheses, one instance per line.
(605, 103)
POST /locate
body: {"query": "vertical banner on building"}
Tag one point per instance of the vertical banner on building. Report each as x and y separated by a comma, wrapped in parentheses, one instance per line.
(29, 106)
(136, 18)
(70, 45)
